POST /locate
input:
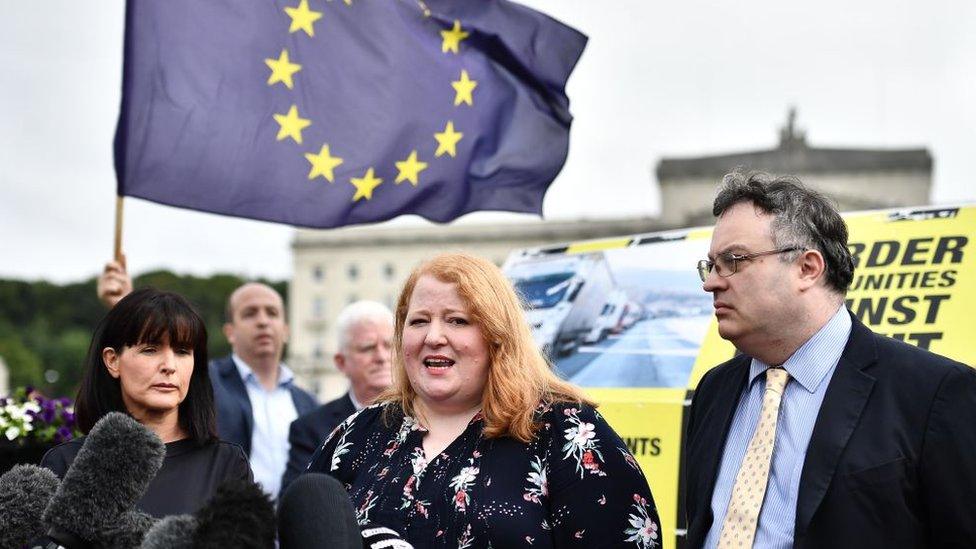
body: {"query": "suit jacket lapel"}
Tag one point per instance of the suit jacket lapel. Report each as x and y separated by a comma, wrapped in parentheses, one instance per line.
(228, 369)
(715, 427)
(341, 410)
(840, 413)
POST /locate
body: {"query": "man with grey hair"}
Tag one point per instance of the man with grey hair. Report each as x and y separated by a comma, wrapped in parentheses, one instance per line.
(821, 433)
(364, 332)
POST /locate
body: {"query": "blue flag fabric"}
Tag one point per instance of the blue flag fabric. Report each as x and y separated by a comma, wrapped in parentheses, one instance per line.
(324, 113)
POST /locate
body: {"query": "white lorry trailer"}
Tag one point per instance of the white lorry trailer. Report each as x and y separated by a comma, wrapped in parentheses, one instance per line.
(564, 295)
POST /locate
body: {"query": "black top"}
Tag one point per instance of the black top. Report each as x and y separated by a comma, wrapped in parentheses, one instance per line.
(574, 485)
(189, 476)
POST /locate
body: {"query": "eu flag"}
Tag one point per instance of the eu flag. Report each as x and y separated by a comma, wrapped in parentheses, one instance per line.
(322, 113)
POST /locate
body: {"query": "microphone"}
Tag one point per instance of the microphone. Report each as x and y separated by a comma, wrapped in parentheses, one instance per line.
(172, 532)
(316, 512)
(239, 515)
(93, 505)
(25, 491)
(381, 537)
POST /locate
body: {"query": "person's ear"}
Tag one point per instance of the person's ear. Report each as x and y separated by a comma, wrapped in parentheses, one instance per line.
(812, 267)
(340, 362)
(111, 360)
(228, 330)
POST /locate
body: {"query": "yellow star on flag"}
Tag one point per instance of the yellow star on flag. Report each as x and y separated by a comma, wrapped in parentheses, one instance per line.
(452, 38)
(291, 125)
(365, 185)
(410, 169)
(302, 18)
(463, 89)
(282, 69)
(323, 163)
(447, 140)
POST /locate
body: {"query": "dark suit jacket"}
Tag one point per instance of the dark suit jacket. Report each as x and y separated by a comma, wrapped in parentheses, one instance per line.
(309, 431)
(892, 457)
(235, 419)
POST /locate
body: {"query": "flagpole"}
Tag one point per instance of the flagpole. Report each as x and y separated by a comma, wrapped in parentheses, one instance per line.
(118, 229)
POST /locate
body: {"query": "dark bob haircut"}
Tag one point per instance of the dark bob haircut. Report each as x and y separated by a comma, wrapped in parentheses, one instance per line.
(148, 316)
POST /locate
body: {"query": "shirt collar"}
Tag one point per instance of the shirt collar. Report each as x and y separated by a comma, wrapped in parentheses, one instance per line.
(810, 363)
(285, 375)
(355, 403)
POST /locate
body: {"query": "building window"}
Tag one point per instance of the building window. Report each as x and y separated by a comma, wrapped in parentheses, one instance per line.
(318, 307)
(353, 271)
(389, 271)
(318, 273)
(317, 352)
(389, 300)
(352, 298)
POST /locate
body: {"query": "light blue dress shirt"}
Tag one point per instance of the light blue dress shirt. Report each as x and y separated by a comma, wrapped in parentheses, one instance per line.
(273, 413)
(810, 369)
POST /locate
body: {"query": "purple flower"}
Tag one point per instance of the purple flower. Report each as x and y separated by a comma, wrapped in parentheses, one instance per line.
(48, 413)
(68, 417)
(63, 434)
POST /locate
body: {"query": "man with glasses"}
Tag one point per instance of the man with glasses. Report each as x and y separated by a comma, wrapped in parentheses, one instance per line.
(820, 433)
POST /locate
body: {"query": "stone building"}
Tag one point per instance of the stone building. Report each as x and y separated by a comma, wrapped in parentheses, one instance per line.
(857, 179)
(334, 268)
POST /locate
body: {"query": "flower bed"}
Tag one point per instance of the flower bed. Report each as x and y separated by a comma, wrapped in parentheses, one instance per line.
(30, 424)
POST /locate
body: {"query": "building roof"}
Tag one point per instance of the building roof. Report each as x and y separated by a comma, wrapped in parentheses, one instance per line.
(548, 230)
(794, 156)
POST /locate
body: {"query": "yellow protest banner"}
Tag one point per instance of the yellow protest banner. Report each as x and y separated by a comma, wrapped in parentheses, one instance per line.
(627, 318)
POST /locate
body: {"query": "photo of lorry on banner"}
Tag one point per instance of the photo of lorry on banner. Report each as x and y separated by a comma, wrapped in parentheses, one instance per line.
(627, 318)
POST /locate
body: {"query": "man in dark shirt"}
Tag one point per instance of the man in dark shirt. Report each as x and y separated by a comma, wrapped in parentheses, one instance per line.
(364, 331)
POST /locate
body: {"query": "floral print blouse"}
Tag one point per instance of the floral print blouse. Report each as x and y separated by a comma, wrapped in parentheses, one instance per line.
(575, 485)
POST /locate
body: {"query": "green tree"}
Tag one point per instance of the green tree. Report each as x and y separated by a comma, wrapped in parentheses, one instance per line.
(24, 366)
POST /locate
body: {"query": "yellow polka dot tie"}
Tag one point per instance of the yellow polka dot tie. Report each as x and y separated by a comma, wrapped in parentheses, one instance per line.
(739, 527)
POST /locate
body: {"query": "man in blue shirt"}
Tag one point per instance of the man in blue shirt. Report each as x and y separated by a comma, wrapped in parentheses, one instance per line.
(820, 433)
(254, 392)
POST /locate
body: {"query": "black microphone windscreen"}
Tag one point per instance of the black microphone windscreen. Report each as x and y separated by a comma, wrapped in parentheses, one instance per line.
(172, 532)
(239, 515)
(315, 512)
(25, 491)
(107, 478)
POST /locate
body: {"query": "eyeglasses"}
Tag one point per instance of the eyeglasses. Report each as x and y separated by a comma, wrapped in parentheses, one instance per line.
(726, 264)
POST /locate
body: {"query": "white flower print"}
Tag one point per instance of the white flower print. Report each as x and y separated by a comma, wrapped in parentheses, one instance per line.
(582, 434)
(537, 478)
(409, 424)
(643, 531)
(341, 448)
(362, 513)
(582, 445)
(464, 478)
(466, 540)
(418, 462)
(461, 483)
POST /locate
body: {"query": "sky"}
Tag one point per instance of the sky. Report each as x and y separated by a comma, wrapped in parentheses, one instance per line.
(656, 80)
